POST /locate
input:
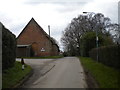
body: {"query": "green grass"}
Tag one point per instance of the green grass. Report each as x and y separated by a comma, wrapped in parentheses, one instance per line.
(13, 75)
(106, 77)
(48, 57)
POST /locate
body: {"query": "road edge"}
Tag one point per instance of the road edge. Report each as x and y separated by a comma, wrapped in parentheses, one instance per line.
(23, 79)
(90, 80)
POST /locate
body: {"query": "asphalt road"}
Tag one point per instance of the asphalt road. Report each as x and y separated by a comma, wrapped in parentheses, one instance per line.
(60, 73)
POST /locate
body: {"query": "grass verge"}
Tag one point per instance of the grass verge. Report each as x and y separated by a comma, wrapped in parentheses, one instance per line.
(13, 75)
(105, 76)
(48, 57)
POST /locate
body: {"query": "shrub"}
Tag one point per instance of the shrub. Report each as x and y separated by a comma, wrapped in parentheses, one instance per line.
(8, 48)
(89, 42)
(108, 55)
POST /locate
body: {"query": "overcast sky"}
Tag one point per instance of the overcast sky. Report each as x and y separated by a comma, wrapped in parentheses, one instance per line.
(15, 14)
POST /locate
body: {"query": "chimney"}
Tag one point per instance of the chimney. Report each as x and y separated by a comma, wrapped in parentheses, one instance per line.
(49, 29)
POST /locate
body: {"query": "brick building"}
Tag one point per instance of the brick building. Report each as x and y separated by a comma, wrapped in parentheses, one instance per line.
(34, 41)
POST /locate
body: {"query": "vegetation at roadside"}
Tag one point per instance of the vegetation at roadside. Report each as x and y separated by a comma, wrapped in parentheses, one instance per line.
(80, 36)
(48, 57)
(12, 76)
(8, 48)
(108, 55)
(105, 76)
(88, 42)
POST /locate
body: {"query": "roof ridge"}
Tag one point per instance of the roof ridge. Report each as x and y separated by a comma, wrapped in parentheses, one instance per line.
(32, 19)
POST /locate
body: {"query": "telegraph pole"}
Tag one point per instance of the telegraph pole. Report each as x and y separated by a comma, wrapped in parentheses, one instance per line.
(97, 43)
(91, 13)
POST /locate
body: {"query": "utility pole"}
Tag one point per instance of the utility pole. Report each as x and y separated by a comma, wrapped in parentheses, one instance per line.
(97, 43)
(90, 14)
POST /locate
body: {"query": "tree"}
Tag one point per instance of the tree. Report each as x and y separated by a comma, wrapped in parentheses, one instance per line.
(115, 30)
(79, 26)
(88, 42)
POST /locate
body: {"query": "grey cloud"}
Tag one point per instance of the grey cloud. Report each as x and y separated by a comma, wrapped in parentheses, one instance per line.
(69, 7)
(34, 2)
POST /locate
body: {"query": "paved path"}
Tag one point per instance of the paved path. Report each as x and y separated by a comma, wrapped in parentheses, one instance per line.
(61, 73)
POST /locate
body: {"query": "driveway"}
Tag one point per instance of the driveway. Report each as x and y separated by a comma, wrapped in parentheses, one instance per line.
(56, 73)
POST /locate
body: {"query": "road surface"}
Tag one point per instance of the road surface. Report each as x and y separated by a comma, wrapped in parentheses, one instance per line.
(60, 73)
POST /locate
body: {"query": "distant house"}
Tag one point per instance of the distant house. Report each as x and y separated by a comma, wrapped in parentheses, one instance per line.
(34, 41)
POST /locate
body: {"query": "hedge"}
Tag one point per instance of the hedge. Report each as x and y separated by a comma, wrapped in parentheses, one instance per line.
(89, 42)
(8, 48)
(108, 55)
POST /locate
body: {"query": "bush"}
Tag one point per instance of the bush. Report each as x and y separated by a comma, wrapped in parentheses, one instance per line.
(8, 48)
(89, 42)
(108, 55)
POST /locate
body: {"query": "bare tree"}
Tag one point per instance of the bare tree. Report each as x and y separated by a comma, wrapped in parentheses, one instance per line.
(73, 33)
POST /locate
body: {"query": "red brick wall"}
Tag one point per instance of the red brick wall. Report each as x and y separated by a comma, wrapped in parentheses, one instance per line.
(32, 34)
(55, 50)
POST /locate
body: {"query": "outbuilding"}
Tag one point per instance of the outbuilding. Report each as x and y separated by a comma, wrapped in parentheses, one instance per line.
(34, 41)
